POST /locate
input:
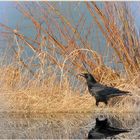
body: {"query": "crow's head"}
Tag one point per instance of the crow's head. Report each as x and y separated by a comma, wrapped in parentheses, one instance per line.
(88, 76)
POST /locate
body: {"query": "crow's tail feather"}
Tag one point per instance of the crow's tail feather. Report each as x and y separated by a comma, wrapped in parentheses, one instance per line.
(119, 130)
(124, 93)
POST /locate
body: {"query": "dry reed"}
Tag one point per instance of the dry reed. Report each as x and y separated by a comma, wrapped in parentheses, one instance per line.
(44, 80)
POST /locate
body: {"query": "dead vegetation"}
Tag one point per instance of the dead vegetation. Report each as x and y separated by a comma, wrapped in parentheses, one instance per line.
(42, 74)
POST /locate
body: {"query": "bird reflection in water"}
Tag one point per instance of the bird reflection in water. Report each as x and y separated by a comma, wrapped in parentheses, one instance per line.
(103, 130)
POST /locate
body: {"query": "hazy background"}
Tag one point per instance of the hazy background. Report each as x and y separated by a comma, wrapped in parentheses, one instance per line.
(12, 17)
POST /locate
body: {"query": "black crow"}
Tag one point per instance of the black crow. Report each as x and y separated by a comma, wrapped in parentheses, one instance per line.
(103, 130)
(101, 92)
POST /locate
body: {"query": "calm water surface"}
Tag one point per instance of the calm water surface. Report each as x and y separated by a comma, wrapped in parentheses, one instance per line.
(65, 126)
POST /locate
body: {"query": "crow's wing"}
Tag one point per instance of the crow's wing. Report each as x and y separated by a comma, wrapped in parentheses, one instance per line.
(110, 131)
(112, 92)
(96, 88)
(106, 91)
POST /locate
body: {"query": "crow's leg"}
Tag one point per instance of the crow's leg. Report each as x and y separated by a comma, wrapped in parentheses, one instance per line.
(106, 103)
(97, 103)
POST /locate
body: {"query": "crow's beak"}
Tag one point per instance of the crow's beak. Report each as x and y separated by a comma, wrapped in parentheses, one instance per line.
(81, 75)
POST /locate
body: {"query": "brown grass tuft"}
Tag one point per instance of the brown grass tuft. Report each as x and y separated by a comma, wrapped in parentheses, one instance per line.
(41, 75)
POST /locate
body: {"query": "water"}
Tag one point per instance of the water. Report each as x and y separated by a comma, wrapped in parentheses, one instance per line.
(64, 126)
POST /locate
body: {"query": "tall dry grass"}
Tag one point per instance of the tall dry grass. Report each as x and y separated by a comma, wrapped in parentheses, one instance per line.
(41, 76)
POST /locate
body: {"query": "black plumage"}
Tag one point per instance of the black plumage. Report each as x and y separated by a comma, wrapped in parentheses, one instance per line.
(101, 92)
(103, 130)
